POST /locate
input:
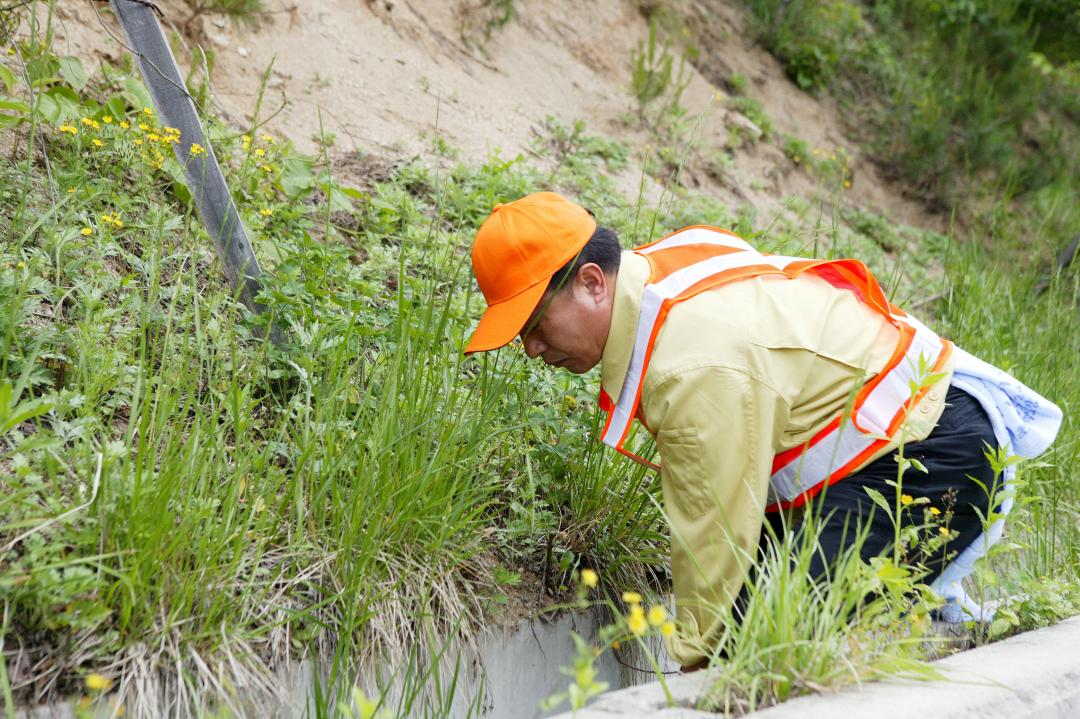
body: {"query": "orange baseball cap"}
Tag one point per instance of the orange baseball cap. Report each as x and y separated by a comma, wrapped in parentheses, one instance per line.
(517, 250)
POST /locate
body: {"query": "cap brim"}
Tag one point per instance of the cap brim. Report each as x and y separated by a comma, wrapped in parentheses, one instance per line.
(502, 322)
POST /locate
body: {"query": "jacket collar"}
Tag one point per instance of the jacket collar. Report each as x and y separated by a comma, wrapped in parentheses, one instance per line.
(629, 284)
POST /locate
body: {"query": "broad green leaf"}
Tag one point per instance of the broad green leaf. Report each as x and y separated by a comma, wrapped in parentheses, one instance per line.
(116, 106)
(879, 499)
(8, 78)
(268, 248)
(12, 111)
(179, 180)
(999, 627)
(59, 104)
(73, 72)
(14, 416)
(42, 70)
(136, 94)
(336, 198)
(296, 178)
(889, 572)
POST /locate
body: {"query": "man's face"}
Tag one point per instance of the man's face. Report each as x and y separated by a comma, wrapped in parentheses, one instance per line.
(569, 327)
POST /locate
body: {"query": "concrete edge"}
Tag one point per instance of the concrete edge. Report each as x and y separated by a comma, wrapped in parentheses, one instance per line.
(1035, 674)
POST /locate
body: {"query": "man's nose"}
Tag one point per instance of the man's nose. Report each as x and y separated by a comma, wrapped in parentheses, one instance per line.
(534, 346)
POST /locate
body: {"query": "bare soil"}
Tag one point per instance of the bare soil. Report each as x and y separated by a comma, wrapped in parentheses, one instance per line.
(385, 77)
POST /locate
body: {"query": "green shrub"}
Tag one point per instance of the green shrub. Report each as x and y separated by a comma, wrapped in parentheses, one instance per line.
(942, 91)
(809, 37)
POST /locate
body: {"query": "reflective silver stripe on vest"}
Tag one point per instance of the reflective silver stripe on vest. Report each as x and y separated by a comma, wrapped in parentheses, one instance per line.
(653, 298)
(819, 461)
(895, 388)
(830, 452)
(698, 236)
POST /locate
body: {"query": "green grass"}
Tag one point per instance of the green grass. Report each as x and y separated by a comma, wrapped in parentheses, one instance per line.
(177, 491)
(175, 482)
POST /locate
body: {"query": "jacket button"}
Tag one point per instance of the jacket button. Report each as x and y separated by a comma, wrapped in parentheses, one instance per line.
(934, 396)
(925, 409)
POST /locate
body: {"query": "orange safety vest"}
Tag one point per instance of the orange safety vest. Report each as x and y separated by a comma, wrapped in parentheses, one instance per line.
(699, 258)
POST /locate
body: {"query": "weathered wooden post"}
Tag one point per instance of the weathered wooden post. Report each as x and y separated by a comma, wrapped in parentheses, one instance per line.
(208, 189)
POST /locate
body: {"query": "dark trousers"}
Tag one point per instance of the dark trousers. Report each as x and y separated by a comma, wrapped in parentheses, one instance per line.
(954, 455)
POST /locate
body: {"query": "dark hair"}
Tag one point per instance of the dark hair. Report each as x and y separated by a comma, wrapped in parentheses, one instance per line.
(602, 249)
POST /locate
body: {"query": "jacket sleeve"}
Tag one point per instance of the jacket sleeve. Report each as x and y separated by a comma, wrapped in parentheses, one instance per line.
(715, 428)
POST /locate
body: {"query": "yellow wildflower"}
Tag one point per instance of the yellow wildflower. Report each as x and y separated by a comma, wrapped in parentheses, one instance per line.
(197, 149)
(147, 111)
(118, 222)
(97, 683)
(245, 140)
(935, 511)
(172, 130)
(847, 184)
(124, 124)
(268, 139)
(86, 232)
(107, 119)
(98, 143)
(637, 611)
(106, 218)
(87, 121)
(138, 142)
(616, 645)
(20, 265)
(267, 168)
(71, 190)
(631, 597)
(69, 128)
(589, 578)
(943, 531)
(153, 137)
(906, 499)
(657, 615)
(266, 212)
(667, 628)
(637, 625)
(260, 152)
(143, 126)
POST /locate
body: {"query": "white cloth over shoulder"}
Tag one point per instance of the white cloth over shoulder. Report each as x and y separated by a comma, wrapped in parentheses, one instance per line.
(1025, 424)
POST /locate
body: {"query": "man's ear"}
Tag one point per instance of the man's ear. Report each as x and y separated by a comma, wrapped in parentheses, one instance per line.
(593, 281)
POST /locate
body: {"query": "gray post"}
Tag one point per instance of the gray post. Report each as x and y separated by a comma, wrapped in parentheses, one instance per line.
(176, 109)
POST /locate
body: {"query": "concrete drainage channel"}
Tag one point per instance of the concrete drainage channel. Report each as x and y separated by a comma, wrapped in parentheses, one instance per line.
(1034, 675)
(508, 676)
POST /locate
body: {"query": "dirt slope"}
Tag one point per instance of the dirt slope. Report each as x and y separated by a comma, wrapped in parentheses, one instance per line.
(385, 76)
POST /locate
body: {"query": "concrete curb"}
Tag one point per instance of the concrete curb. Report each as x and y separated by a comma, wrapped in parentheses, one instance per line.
(1035, 674)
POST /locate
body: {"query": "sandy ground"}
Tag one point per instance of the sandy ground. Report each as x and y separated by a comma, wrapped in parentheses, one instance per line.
(386, 76)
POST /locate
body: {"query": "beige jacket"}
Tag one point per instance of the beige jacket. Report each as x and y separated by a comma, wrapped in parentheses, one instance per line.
(739, 374)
